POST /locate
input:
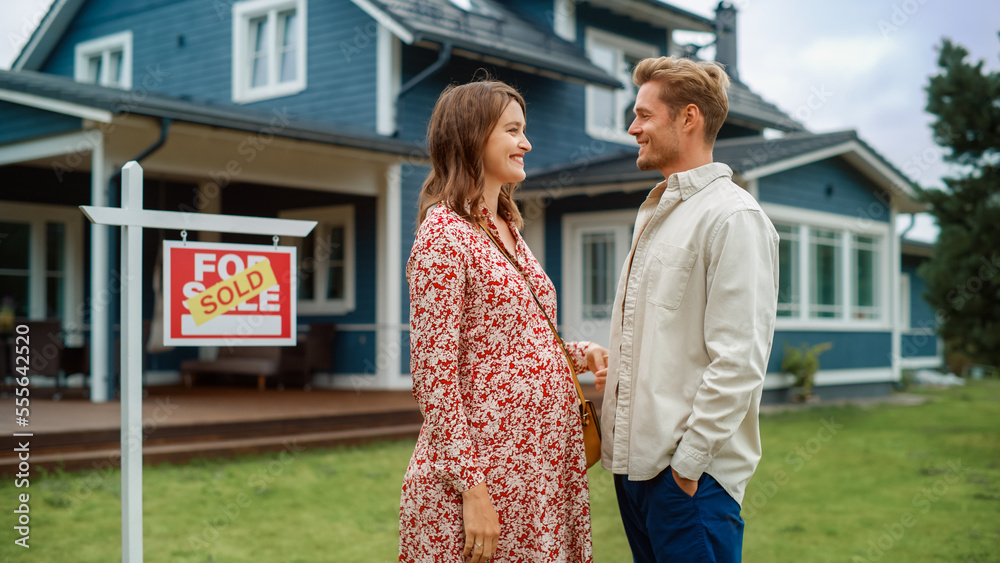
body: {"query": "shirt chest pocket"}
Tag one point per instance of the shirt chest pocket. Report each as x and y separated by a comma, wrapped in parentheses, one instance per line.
(670, 270)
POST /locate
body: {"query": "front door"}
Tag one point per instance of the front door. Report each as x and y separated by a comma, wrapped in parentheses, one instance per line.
(595, 246)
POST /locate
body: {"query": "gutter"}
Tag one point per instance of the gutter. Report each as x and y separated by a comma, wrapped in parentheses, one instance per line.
(444, 56)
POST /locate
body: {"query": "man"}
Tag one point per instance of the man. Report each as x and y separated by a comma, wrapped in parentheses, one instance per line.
(691, 329)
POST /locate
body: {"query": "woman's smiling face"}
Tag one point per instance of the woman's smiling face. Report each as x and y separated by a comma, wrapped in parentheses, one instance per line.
(503, 157)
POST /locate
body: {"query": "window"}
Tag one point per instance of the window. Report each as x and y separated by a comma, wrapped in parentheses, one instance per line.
(106, 61)
(831, 272)
(825, 274)
(595, 246)
(477, 7)
(41, 261)
(866, 277)
(269, 49)
(326, 260)
(598, 274)
(788, 270)
(609, 112)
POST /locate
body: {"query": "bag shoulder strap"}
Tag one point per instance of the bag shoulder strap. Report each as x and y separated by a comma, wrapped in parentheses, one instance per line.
(562, 345)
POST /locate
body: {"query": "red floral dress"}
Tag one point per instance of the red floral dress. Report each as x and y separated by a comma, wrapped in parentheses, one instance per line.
(497, 399)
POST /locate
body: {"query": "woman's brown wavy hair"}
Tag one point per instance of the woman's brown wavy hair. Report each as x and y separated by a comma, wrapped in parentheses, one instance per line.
(462, 122)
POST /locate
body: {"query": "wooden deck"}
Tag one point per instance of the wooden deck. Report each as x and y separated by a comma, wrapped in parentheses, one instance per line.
(180, 424)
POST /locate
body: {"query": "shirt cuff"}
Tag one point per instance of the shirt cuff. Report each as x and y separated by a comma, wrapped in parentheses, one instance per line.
(688, 462)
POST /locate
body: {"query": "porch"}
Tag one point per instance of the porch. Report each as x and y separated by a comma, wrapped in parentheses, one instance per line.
(180, 424)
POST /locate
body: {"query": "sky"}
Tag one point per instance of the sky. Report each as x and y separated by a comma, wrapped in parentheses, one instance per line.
(832, 65)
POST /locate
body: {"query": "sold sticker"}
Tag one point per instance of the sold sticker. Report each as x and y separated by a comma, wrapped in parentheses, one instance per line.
(229, 293)
(220, 294)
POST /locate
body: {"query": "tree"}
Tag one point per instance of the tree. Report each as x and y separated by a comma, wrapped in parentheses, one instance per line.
(963, 275)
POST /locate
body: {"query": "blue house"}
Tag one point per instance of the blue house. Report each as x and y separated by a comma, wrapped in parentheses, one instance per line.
(317, 109)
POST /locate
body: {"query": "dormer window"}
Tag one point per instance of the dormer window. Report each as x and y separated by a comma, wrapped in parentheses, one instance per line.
(476, 7)
(609, 112)
(106, 61)
(269, 49)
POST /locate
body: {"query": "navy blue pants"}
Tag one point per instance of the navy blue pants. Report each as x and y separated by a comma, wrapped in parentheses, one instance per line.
(663, 523)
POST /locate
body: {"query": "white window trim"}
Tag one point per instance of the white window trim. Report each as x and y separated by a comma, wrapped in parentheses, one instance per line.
(37, 215)
(572, 283)
(596, 36)
(337, 215)
(388, 79)
(846, 226)
(564, 19)
(242, 13)
(103, 45)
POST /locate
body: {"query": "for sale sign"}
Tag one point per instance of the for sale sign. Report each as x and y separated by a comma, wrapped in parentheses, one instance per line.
(217, 294)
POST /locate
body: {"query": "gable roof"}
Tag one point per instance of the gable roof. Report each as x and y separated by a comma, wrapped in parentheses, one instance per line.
(100, 103)
(494, 34)
(658, 13)
(45, 37)
(747, 108)
(749, 157)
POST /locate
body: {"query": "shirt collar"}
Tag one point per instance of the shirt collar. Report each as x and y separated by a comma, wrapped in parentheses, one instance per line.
(693, 181)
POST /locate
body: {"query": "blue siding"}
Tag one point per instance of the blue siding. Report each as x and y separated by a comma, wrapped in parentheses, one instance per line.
(851, 350)
(921, 313)
(918, 345)
(413, 179)
(190, 41)
(556, 124)
(553, 223)
(404, 355)
(831, 185)
(539, 12)
(604, 19)
(23, 122)
(354, 352)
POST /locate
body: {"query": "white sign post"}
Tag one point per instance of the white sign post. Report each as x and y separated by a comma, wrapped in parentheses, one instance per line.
(132, 218)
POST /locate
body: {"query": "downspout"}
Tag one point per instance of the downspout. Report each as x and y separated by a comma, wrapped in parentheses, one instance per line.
(444, 56)
(913, 223)
(114, 200)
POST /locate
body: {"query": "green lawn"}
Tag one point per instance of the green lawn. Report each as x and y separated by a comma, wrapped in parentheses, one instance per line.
(887, 483)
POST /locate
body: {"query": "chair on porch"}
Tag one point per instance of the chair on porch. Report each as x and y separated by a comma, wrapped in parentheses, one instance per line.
(313, 353)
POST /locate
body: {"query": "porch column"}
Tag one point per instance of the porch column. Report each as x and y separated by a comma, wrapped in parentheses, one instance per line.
(209, 200)
(101, 292)
(895, 271)
(388, 282)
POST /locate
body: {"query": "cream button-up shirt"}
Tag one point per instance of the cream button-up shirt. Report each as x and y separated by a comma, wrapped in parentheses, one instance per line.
(691, 333)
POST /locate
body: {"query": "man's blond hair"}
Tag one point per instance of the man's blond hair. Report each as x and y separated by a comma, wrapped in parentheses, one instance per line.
(683, 82)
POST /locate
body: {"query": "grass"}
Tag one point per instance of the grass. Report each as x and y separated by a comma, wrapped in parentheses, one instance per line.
(886, 483)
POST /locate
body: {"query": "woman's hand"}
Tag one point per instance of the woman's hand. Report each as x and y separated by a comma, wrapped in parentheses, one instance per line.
(597, 362)
(482, 526)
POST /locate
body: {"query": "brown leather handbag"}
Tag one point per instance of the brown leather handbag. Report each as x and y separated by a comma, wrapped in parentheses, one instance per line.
(588, 412)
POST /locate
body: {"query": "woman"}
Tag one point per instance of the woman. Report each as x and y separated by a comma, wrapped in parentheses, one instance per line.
(499, 469)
